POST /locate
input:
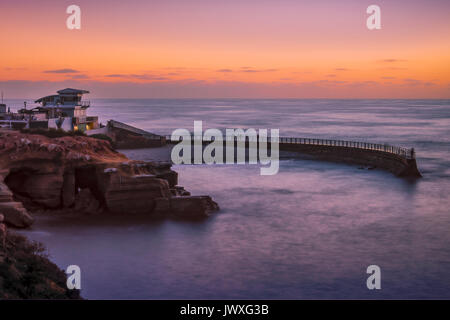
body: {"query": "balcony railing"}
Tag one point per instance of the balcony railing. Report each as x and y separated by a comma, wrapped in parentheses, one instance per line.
(85, 104)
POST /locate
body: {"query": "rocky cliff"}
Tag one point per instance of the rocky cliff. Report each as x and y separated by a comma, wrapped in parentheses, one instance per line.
(26, 272)
(85, 175)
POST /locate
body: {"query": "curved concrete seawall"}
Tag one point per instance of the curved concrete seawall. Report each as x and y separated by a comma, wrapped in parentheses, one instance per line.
(399, 165)
(398, 160)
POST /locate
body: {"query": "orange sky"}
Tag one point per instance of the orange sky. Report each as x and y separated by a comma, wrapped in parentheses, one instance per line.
(214, 48)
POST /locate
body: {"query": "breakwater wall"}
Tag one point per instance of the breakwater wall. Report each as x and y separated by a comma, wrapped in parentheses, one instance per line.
(397, 160)
(398, 165)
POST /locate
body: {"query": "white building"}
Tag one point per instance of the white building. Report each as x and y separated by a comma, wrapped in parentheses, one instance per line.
(67, 110)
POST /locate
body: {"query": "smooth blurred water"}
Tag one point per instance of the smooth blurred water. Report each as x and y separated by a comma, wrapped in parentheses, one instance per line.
(308, 232)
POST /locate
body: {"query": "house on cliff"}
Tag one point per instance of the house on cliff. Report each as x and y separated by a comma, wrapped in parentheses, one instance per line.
(65, 110)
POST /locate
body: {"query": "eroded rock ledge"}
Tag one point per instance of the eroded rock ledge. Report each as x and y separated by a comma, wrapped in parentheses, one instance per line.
(85, 175)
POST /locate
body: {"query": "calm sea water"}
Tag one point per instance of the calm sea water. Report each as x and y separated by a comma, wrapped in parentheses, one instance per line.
(308, 232)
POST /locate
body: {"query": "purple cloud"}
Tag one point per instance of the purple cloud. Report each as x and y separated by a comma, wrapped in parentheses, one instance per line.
(259, 70)
(115, 75)
(137, 76)
(62, 71)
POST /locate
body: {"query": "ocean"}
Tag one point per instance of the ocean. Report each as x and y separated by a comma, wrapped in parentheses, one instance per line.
(309, 231)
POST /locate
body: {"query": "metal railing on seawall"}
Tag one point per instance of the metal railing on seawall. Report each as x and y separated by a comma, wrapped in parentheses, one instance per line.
(400, 151)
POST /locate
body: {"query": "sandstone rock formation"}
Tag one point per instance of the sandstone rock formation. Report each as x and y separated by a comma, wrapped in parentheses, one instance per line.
(85, 175)
(12, 211)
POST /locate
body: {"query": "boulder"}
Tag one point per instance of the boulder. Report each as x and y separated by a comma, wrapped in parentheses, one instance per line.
(179, 191)
(191, 207)
(186, 207)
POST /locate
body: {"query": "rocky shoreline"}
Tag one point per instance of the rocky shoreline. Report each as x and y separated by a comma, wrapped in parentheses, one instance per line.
(85, 175)
(26, 272)
(78, 175)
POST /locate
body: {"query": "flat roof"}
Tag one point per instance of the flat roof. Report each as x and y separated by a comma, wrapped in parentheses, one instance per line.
(71, 90)
(41, 99)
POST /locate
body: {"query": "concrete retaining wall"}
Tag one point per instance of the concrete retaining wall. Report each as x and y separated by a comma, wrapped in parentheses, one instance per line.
(394, 163)
(397, 164)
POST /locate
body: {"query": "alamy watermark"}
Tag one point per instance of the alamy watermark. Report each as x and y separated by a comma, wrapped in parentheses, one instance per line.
(190, 147)
(73, 277)
(374, 280)
(373, 22)
(74, 20)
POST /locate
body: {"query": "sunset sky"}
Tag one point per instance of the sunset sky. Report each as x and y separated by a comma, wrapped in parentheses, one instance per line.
(226, 49)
